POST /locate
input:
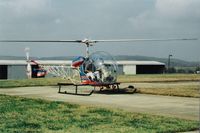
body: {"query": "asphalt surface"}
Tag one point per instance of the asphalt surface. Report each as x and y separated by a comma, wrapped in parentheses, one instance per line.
(180, 107)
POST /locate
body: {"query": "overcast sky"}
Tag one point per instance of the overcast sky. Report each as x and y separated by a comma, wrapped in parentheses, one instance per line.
(97, 19)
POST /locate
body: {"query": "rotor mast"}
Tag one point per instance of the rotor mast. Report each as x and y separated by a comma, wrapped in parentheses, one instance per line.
(88, 43)
(87, 50)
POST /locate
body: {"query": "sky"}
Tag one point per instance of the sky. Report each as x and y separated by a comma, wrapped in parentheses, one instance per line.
(97, 19)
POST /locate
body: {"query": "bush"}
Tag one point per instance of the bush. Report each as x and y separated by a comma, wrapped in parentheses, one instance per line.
(181, 71)
(172, 70)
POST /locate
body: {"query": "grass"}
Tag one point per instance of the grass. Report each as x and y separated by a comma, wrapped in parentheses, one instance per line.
(31, 115)
(183, 89)
(181, 92)
(158, 78)
(31, 82)
(165, 84)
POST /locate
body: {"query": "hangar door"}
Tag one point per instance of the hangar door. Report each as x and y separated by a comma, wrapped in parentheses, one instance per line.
(150, 69)
(3, 71)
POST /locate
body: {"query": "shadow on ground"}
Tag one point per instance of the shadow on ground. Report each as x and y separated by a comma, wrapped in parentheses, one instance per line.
(116, 92)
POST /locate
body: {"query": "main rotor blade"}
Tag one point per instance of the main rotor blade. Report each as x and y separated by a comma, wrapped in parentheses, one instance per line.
(73, 41)
(87, 42)
(134, 40)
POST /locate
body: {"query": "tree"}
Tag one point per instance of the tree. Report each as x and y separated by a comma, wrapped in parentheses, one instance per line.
(197, 70)
(172, 70)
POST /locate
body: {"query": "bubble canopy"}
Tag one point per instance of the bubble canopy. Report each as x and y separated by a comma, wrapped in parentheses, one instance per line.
(103, 65)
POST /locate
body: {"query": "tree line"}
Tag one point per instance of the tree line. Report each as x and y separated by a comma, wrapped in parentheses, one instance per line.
(183, 70)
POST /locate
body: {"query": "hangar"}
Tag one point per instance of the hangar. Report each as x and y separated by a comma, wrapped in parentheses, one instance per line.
(12, 69)
(16, 69)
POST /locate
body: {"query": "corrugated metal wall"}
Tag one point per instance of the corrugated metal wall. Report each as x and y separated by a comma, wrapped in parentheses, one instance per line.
(129, 69)
(17, 72)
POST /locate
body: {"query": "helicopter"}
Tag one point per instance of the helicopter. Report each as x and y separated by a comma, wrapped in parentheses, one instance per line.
(98, 69)
(37, 71)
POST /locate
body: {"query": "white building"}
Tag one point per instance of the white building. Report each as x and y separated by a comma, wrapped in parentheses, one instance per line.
(16, 69)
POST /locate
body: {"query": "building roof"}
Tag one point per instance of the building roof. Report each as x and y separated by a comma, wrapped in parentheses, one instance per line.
(68, 62)
(44, 62)
(139, 63)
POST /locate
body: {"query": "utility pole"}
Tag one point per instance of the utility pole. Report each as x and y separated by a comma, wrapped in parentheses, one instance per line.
(169, 62)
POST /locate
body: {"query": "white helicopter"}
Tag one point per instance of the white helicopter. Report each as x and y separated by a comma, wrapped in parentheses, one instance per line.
(98, 69)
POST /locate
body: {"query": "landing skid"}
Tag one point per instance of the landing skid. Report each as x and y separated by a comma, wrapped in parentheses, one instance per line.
(104, 87)
(76, 89)
(79, 94)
